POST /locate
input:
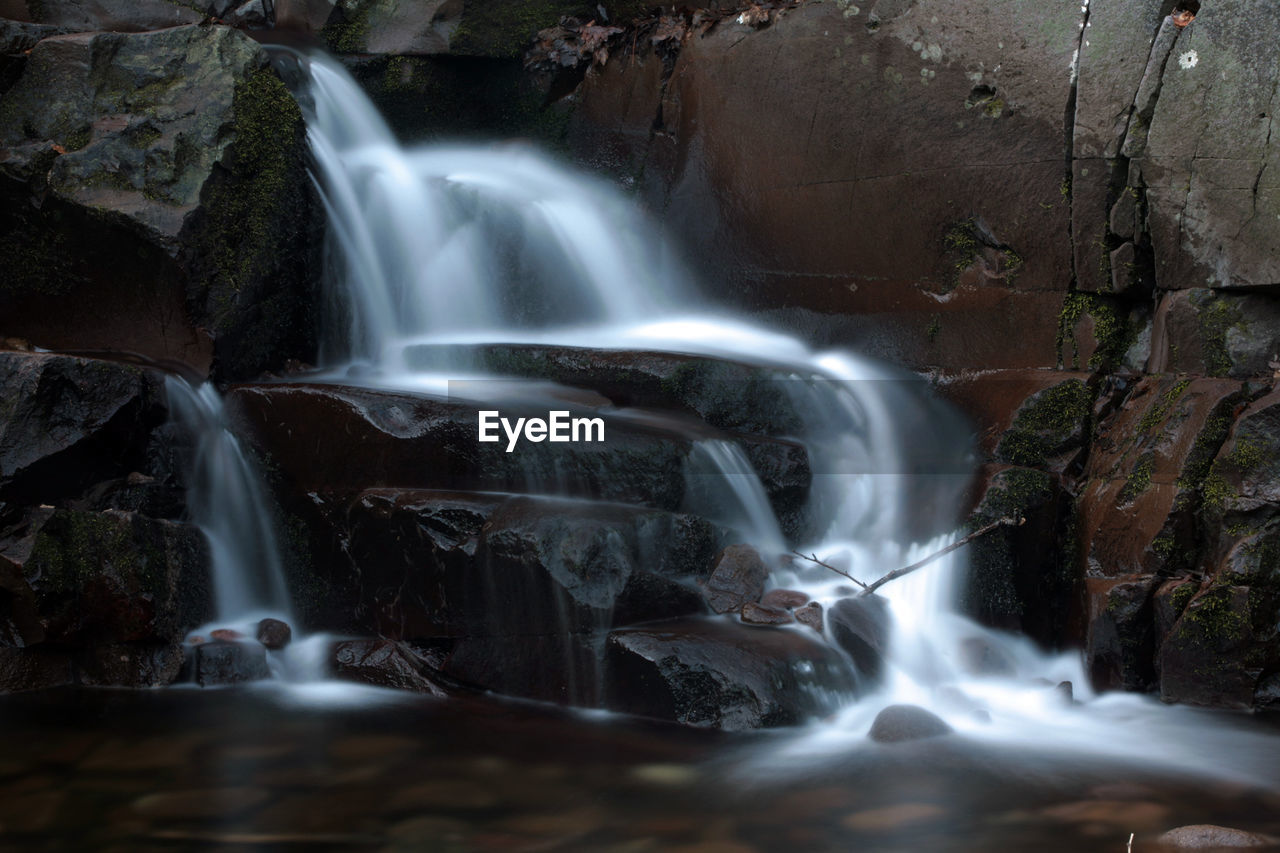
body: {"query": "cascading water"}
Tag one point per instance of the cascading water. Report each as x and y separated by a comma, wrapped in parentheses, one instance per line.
(226, 502)
(451, 246)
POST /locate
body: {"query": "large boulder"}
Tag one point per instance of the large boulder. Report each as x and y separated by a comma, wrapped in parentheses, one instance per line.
(155, 200)
(716, 674)
(68, 423)
(368, 438)
(110, 594)
(419, 565)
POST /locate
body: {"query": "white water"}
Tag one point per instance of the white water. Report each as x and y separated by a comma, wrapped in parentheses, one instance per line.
(495, 245)
(226, 501)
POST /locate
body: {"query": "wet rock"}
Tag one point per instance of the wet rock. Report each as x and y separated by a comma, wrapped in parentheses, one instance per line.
(274, 634)
(33, 669)
(130, 665)
(728, 395)
(996, 399)
(385, 663)
(1048, 427)
(71, 422)
(1231, 626)
(229, 635)
(80, 579)
(716, 674)
(1207, 836)
(1119, 651)
(811, 615)
(861, 626)
(422, 564)
(1216, 334)
(381, 438)
(223, 662)
(898, 723)
(1019, 576)
(738, 578)
(762, 614)
(117, 15)
(145, 204)
(1245, 474)
(401, 29)
(787, 598)
(1215, 221)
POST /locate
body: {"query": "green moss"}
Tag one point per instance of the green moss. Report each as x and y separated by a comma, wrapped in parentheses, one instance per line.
(1112, 332)
(75, 548)
(1215, 491)
(144, 136)
(1139, 479)
(934, 329)
(1214, 616)
(1246, 454)
(78, 139)
(1047, 425)
(504, 28)
(1217, 316)
(347, 31)
(1181, 596)
(1157, 413)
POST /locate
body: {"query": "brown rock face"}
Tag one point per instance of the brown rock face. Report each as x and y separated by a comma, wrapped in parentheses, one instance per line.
(737, 579)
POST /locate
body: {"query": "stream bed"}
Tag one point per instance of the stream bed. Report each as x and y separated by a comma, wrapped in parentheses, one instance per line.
(329, 766)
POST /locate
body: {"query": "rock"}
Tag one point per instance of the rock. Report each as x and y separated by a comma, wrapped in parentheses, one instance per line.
(274, 634)
(811, 615)
(1217, 625)
(380, 438)
(416, 564)
(1067, 691)
(1218, 334)
(1019, 576)
(1048, 427)
(861, 626)
(183, 176)
(71, 422)
(1119, 651)
(787, 598)
(78, 580)
(34, 668)
(711, 673)
(1145, 474)
(125, 16)
(130, 665)
(1204, 836)
(1215, 221)
(1245, 474)
(728, 395)
(898, 723)
(384, 26)
(385, 663)
(809, 250)
(229, 635)
(995, 399)
(763, 614)
(738, 578)
(223, 662)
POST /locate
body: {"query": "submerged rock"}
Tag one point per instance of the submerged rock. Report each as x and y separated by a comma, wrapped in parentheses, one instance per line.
(385, 663)
(861, 626)
(906, 722)
(226, 662)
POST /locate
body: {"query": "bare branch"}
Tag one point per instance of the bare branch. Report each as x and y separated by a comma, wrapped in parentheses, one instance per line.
(959, 543)
(813, 558)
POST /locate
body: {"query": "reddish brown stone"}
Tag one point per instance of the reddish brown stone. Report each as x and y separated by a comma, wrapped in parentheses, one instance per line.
(762, 614)
(787, 598)
(811, 615)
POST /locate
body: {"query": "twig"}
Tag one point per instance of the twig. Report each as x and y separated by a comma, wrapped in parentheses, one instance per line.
(813, 558)
(959, 543)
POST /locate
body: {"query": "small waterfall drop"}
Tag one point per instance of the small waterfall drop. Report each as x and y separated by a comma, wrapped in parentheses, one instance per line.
(226, 502)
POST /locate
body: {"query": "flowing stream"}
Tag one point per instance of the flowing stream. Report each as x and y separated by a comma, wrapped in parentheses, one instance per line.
(437, 246)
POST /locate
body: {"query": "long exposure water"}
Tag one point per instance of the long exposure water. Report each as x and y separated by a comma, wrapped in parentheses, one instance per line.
(436, 249)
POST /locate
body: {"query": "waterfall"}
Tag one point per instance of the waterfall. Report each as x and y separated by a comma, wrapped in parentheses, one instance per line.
(453, 246)
(225, 500)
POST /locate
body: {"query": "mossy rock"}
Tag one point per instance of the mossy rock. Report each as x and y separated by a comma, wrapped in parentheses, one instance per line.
(1050, 424)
